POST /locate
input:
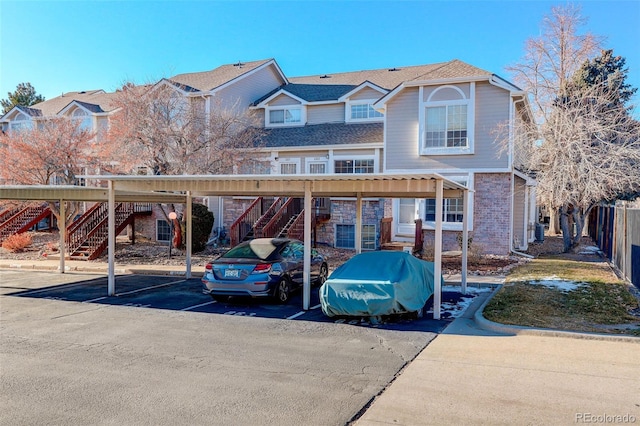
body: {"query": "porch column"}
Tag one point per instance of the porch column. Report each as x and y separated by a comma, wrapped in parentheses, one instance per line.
(189, 220)
(62, 229)
(465, 239)
(437, 261)
(306, 282)
(358, 233)
(111, 288)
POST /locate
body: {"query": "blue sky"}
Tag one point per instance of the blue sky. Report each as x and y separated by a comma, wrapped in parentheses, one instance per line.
(61, 46)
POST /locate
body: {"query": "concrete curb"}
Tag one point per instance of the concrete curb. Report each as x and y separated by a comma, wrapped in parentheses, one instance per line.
(101, 269)
(485, 324)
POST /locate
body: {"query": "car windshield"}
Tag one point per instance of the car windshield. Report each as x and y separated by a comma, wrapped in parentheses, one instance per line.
(254, 250)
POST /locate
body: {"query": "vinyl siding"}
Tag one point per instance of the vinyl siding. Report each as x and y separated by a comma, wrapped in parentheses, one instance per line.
(519, 238)
(319, 114)
(283, 99)
(246, 90)
(366, 94)
(402, 127)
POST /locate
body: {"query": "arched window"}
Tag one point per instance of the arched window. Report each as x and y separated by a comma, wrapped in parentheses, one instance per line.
(83, 117)
(21, 122)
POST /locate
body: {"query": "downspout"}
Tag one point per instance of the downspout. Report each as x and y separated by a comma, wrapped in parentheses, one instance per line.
(512, 114)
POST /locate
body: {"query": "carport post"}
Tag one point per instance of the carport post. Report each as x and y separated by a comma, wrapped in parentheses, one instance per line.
(62, 229)
(358, 233)
(306, 282)
(111, 287)
(465, 239)
(188, 219)
(437, 261)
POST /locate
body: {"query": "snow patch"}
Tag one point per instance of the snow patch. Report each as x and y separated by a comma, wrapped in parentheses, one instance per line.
(557, 283)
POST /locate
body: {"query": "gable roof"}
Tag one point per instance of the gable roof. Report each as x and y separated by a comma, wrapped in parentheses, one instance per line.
(332, 87)
(92, 100)
(210, 80)
(389, 78)
(322, 135)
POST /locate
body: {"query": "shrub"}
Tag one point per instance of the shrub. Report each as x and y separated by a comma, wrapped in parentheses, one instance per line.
(17, 242)
(202, 221)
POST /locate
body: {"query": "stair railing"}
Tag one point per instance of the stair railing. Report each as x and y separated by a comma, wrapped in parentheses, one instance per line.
(290, 208)
(244, 223)
(23, 220)
(267, 216)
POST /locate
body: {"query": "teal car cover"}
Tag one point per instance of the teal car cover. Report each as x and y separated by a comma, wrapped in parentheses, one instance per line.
(378, 283)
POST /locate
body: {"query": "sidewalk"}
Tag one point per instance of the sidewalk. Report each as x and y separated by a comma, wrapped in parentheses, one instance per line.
(478, 372)
(98, 267)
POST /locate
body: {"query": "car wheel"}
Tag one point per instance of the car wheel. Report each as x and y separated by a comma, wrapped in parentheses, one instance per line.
(220, 298)
(283, 290)
(322, 276)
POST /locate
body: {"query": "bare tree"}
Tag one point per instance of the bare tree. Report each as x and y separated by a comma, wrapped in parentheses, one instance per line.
(548, 64)
(52, 151)
(590, 152)
(171, 133)
(551, 59)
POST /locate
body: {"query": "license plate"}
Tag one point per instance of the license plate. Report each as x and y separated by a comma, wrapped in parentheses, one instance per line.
(232, 273)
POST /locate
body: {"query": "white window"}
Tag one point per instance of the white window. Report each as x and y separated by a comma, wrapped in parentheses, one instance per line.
(446, 121)
(21, 122)
(254, 167)
(84, 119)
(452, 208)
(346, 237)
(317, 167)
(283, 116)
(363, 111)
(288, 168)
(354, 166)
(446, 127)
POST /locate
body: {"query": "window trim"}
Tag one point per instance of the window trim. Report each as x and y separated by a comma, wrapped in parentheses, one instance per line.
(451, 226)
(353, 225)
(285, 161)
(462, 100)
(354, 158)
(368, 102)
(301, 108)
(158, 233)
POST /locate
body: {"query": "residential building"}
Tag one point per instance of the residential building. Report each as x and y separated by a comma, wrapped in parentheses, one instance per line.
(438, 118)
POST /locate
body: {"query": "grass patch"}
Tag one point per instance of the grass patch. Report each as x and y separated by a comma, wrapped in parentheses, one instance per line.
(565, 295)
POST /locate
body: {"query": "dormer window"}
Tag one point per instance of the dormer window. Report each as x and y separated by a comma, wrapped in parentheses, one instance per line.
(21, 122)
(85, 121)
(362, 111)
(285, 116)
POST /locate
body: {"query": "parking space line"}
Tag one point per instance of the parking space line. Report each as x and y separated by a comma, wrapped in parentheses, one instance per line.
(197, 306)
(316, 307)
(94, 300)
(149, 288)
(296, 315)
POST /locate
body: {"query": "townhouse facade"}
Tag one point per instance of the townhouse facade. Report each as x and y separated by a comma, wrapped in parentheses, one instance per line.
(435, 118)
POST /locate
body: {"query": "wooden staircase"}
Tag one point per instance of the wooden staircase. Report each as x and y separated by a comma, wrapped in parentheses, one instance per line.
(16, 221)
(284, 219)
(88, 236)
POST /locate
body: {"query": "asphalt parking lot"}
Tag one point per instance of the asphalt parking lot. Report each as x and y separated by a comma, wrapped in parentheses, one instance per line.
(161, 352)
(179, 294)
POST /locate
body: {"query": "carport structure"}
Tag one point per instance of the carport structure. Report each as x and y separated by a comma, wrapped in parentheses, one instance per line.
(183, 188)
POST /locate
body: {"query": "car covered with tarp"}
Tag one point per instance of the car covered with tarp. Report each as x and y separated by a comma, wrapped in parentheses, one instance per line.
(378, 283)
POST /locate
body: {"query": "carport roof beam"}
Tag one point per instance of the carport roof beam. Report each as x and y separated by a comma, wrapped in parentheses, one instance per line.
(81, 193)
(330, 185)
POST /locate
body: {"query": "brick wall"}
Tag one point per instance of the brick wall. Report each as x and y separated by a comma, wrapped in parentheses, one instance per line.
(491, 216)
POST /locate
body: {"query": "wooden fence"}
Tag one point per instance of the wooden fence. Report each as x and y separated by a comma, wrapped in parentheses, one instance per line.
(616, 230)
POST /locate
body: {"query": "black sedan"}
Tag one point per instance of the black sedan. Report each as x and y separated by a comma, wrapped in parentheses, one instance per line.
(263, 267)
